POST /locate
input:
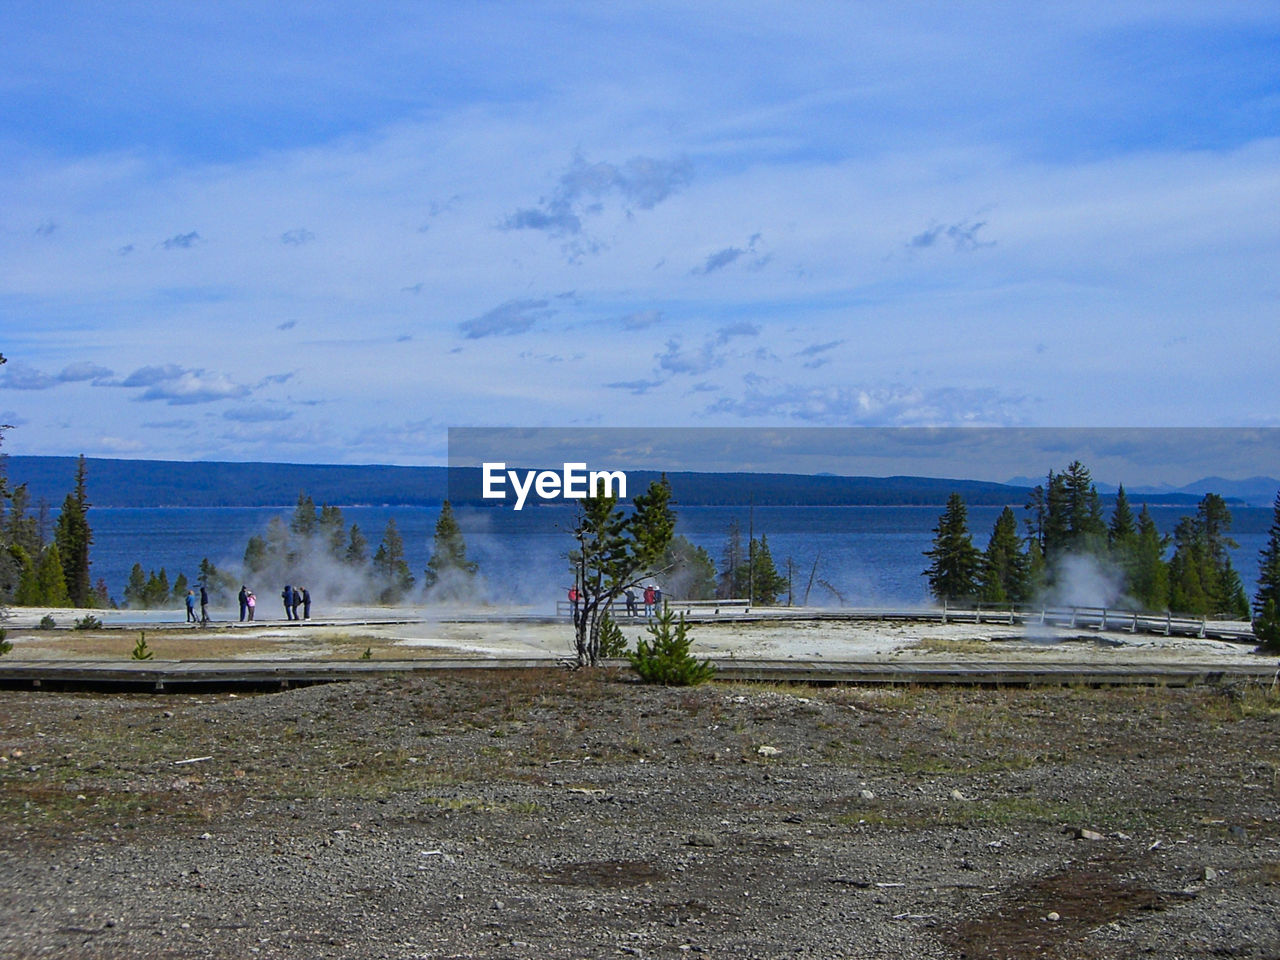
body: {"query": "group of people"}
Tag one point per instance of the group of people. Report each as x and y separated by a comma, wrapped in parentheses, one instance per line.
(293, 598)
(248, 603)
(652, 596)
(204, 606)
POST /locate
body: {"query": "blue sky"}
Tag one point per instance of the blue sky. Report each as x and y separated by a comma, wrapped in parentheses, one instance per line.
(327, 232)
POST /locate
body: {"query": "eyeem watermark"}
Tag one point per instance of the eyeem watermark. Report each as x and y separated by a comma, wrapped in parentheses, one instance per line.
(572, 482)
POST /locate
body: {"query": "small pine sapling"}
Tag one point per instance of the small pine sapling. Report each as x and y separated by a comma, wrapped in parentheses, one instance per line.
(613, 644)
(666, 658)
(140, 649)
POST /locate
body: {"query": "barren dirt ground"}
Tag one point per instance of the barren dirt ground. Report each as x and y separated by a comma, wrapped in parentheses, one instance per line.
(549, 813)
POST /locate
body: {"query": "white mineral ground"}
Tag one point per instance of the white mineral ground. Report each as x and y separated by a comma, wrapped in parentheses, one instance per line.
(401, 633)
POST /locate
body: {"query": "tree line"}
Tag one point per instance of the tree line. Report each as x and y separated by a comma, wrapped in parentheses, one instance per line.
(40, 567)
(1065, 532)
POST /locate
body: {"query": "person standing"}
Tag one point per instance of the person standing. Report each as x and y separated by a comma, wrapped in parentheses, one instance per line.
(244, 602)
(631, 601)
(191, 606)
(287, 596)
(250, 601)
(204, 605)
(297, 602)
(306, 604)
(648, 600)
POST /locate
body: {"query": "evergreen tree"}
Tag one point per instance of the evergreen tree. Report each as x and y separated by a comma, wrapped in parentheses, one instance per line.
(73, 537)
(666, 659)
(687, 571)
(135, 591)
(180, 587)
(1266, 603)
(1086, 531)
(255, 556)
(1003, 572)
(953, 572)
(615, 552)
(332, 529)
(303, 524)
(220, 584)
(733, 571)
(449, 574)
(50, 588)
(157, 590)
(1202, 580)
(390, 567)
(357, 551)
(766, 583)
(24, 591)
(1149, 581)
(1122, 540)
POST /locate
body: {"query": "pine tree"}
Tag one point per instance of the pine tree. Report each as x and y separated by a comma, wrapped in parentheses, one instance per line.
(303, 523)
(1003, 572)
(180, 586)
(1266, 602)
(449, 574)
(733, 570)
(666, 659)
(73, 537)
(333, 530)
(135, 591)
(50, 581)
(390, 567)
(357, 552)
(614, 552)
(953, 574)
(766, 583)
(1149, 582)
(24, 592)
(255, 556)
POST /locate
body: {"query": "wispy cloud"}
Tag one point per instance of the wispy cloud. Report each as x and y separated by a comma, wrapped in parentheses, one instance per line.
(724, 257)
(888, 405)
(641, 182)
(962, 235)
(297, 237)
(506, 320)
(257, 413)
(182, 241)
(19, 376)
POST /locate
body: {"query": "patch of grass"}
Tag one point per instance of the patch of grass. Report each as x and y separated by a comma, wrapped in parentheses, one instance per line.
(950, 645)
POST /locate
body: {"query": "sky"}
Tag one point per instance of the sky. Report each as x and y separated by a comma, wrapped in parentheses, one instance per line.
(328, 232)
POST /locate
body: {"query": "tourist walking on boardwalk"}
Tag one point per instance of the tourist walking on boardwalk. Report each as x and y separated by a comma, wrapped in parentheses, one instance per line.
(191, 606)
(204, 605)
(306, 604)
(287, 596)
(250, 601)
(244, 602)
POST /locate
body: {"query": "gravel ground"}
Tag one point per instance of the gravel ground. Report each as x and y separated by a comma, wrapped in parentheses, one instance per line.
(548, 813)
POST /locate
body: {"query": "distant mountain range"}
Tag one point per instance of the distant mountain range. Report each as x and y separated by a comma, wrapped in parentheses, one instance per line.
(174, 483)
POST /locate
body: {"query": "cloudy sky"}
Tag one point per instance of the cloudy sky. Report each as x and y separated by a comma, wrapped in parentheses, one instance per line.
(327, 232)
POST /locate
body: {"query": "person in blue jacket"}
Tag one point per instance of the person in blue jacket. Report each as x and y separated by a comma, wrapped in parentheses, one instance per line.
(287, 596)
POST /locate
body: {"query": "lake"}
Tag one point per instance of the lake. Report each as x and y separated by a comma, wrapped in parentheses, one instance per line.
(867, 556)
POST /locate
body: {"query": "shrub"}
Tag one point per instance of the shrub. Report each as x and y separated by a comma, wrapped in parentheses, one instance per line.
(5, 645)
(88, 622)
(47, 622)
(666, 659)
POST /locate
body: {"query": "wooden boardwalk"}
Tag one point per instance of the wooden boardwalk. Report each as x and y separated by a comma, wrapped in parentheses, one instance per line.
(175, 676)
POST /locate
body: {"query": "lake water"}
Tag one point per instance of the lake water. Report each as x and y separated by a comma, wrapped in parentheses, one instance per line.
(870, 556)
